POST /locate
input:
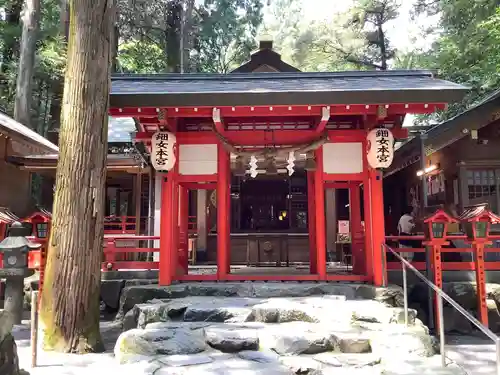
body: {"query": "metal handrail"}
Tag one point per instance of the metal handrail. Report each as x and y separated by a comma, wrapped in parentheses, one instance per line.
(440, 294)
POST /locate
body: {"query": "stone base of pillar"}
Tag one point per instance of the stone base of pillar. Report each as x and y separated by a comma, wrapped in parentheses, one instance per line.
(9, 362)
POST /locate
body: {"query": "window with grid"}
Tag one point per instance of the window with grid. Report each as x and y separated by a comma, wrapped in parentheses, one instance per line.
(481, 183)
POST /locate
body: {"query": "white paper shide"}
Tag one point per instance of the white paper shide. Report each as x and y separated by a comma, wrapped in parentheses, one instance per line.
(162, 151)
(380, 145)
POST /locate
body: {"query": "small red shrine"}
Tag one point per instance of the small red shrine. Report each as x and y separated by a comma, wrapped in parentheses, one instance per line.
(263, 148)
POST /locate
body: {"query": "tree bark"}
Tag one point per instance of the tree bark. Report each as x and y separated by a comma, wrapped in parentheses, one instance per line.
(187, 35)
(70, 297)
(24, 84)
(58, 84)
(11, 43)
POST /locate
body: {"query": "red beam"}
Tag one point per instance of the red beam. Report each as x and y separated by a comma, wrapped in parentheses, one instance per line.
(295, 110)
(344, 176)
(131, 265)
(448, 266)
(341, 185)
(183, 178)
(271, 277)
(325, 116)
(260, 137)
(216, 117)
(199, 186)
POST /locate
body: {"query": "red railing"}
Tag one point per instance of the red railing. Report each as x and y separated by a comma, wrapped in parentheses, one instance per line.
(123, 224)
(112, 252)
(462, 265)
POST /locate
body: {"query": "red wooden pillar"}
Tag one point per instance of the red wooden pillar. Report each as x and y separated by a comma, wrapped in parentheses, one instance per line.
(311, 223)
(376, 198)
(319, 197)
(223, 213)
(367, 217)
(174, 206)
(183, 228)
(438, 273)
(165, 270)
(358, 254)
(482, 307)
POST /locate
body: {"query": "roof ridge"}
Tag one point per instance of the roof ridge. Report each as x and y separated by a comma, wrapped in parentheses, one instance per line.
(280, 75)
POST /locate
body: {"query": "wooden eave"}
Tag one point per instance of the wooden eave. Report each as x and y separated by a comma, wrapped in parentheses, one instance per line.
(118, 163)
(17, 131)
(448, 132)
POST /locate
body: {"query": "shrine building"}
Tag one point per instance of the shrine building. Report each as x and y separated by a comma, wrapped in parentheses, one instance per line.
(270, 173)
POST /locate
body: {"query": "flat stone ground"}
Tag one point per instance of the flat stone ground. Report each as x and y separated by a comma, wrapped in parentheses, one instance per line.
(476, 355)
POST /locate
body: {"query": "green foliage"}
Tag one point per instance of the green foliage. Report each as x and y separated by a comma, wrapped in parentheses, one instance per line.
(225, 34)
(139, 56)
(468, 48)
(303, 44)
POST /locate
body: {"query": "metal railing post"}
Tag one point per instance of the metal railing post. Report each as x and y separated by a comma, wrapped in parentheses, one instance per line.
(497, 344)
(34, 328)
(440, 295)
(441, 328)
(405, 294)
(384, 265)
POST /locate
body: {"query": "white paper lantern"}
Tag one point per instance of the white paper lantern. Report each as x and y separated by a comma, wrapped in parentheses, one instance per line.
(380, 148)
(162, 151)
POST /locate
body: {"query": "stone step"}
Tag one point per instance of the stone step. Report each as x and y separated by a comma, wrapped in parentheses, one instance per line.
(314, 309)
(137, 294)
(275, 329)
(277, 335)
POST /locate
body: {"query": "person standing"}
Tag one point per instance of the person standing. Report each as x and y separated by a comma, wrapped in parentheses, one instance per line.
(406, 227)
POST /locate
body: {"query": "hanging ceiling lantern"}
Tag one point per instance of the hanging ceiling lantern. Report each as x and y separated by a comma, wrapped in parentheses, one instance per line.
(162, 151)
(380, 148)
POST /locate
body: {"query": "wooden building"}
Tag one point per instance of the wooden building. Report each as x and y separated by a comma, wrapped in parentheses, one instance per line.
(127, 180)
(251, 121)
(17, 141)
(462, 163)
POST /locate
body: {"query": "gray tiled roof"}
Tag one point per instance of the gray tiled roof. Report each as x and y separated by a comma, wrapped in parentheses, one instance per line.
(120, 129)
(443, 134)
(282, 88)
(279, 82)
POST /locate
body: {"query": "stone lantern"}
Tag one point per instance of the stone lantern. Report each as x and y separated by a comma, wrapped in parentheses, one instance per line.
(476, 221)
(436, 226)
(15, 248)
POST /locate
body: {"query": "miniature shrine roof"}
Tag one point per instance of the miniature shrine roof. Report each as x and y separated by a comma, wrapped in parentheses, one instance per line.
(290, 88)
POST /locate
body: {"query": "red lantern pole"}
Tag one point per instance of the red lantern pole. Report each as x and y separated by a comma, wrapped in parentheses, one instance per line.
(482, 307)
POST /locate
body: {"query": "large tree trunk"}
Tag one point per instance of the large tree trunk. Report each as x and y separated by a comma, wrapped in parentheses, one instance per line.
(24, 85)
(70, 298)
(58, 84)
(11, 42)
(187, 35)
